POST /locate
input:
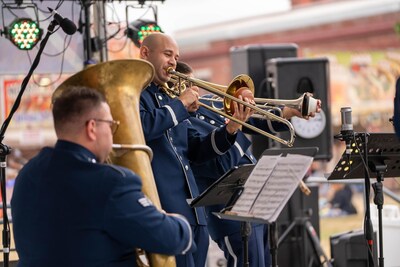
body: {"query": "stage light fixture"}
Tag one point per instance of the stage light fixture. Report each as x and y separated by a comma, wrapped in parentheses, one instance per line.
(140, 29)
(24, 33)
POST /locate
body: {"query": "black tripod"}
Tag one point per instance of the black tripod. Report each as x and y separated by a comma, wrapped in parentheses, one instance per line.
(319, 259)
(301, 230)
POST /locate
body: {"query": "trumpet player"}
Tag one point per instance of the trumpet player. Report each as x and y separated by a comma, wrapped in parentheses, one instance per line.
(227, 233)
(175, 143)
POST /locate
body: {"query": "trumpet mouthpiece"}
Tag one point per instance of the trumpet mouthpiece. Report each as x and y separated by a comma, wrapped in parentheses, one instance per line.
(170, 70)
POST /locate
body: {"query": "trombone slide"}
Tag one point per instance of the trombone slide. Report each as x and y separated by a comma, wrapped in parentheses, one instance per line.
(306, 104)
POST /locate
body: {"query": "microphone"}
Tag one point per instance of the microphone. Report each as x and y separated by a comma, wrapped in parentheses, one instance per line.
(347, 129)
(66, 24)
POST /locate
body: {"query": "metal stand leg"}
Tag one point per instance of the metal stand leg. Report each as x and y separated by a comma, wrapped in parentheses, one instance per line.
(245, 229)
(378, 200)
(4, 151)
(273, 237)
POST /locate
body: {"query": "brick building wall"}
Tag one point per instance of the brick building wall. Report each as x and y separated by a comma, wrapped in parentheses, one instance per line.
(372, 33)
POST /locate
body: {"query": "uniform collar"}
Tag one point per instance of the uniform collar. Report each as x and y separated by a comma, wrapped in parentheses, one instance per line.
(77, 149)
(154, 88)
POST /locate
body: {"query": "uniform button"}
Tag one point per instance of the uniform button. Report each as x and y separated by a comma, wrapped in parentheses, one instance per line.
(201, 117)
(160, 97)
(212, 122)
(221, 116)
(221, 126)
(186, 167)
(170, 139)
(251, 156)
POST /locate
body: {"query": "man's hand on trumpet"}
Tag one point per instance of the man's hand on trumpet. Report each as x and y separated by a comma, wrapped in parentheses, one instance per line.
(241, 112)
(190, 98)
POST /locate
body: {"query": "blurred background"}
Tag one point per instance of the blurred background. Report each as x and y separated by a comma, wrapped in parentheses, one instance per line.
(345, 52)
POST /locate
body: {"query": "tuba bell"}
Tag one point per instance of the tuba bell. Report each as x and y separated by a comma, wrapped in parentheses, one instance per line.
(121, 82)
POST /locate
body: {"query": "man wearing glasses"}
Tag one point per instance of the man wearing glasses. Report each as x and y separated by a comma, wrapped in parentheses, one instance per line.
(71, 209)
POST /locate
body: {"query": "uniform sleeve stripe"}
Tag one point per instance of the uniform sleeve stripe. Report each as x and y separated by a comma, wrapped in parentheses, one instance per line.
(271, 127)
(190, 234)
(172, 114)
(231, 252)
(236, 144)
(214, 145)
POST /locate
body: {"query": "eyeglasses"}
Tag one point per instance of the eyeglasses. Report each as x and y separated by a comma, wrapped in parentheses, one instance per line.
(113, 124)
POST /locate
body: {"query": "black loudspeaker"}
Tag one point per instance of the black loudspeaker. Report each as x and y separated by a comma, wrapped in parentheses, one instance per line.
(295, 248)
(290, 78)
(250, 60)
(350, 249)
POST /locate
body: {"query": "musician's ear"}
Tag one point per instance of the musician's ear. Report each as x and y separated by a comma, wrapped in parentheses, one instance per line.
(144, 52)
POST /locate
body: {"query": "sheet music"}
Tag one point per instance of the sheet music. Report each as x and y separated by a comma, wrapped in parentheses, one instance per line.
(256, 180)
(270, 185)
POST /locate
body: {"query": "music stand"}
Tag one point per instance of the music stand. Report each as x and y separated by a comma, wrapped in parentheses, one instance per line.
(227, 189)
(371, 154)
(305, 222)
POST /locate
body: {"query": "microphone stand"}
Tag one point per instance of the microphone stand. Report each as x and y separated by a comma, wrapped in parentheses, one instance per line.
(5, 150)
(368, 229)
(351, 136)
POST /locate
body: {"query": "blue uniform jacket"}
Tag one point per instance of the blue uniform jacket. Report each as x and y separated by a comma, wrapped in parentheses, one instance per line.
(207, 173)
(68, 210)
(176, 144)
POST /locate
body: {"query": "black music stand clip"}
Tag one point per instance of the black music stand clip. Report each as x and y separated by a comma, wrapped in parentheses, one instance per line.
(226, 189)
(372, 154)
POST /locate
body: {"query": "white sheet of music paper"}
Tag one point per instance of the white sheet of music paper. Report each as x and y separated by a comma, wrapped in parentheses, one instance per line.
(270, 185)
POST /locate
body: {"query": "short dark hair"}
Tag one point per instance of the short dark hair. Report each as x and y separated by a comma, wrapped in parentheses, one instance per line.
(183, 67)
(74, 103)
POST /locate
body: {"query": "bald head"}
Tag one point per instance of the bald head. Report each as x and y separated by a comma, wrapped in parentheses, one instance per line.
(156, 39)
(162, 52)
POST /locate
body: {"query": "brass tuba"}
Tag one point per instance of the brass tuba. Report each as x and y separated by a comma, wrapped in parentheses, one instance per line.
(122, 81)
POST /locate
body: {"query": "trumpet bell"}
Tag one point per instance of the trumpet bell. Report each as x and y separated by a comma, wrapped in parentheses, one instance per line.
(237, 87)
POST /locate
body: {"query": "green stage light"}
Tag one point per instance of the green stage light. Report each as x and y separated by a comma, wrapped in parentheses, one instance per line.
(24, 33)
(140, 29)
